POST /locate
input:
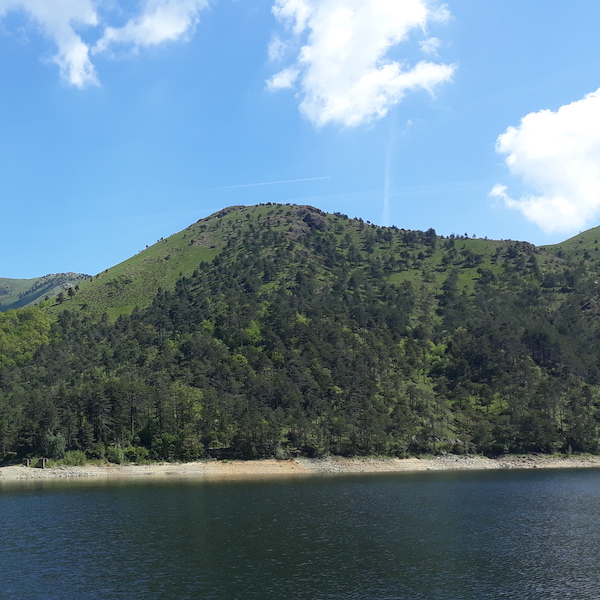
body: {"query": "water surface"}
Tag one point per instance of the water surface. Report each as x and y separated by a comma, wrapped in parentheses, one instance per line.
(436, 536)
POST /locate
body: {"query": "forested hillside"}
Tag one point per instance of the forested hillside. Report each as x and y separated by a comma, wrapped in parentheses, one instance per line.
(309, 333)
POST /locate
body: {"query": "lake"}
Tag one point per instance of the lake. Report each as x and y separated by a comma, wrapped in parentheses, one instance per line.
(435, 536)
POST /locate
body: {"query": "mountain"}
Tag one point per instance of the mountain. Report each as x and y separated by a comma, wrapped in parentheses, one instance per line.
(280, 330)
(16, 293)
(409, 256)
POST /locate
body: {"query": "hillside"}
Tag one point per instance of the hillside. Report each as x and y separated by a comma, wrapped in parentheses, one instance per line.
(420, 257)
(135, 281)
(581, 247)
(16, 293)
(291, 331)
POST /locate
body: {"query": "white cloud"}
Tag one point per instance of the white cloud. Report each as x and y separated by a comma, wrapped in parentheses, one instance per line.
(160, 21)
(276, 49)
(557, 156)
(343, 69)
(63, 21)
(296, 12)
(430, 46)
(284, 79)
(58, 20)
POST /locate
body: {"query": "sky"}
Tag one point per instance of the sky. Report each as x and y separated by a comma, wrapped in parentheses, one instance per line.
(122, 121)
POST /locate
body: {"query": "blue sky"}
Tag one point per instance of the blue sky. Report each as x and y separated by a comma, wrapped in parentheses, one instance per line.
(125, 121)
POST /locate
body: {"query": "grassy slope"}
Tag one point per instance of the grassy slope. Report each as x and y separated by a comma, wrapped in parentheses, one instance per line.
(134, 282)
(575, 248)
(16, 293)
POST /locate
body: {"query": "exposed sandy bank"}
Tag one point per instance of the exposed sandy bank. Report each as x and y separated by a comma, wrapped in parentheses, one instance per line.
(202, 469)
(301, 466)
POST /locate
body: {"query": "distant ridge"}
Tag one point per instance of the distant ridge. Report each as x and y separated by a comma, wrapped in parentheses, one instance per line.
(17, 293)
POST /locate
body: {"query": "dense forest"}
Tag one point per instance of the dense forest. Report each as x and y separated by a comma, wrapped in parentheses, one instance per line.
(311, 334)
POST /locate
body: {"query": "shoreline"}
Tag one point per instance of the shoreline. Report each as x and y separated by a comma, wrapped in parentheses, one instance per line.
(254, 469)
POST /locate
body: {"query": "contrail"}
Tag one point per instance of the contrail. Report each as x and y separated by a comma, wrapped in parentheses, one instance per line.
(387, 184)
(243, 185)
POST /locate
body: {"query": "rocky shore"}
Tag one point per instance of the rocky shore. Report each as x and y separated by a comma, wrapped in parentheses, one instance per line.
(447, 462)
(300, 466)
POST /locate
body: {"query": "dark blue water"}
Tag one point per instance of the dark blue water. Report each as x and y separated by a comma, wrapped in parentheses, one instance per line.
(435, 536)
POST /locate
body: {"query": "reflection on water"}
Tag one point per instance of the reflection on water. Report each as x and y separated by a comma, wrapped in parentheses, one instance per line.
(435, 536)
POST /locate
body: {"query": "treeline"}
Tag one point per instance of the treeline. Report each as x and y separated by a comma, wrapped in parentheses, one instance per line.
(317, 340)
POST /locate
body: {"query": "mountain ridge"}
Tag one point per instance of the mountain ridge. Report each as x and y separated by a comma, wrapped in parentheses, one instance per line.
(17, 293)
(135, 281)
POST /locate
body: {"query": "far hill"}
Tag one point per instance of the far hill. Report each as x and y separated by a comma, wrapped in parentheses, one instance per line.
(16, 293)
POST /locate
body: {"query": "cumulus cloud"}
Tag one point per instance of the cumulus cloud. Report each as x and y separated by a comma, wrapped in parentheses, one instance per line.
(343, 70)
(556, 155)
(65, 21)
(160, 21)
(59, 20)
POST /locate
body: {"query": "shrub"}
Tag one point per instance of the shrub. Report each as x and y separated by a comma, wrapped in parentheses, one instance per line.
(96, 452)
(137, 454)
(74, 458)
(166, 447)
(281, 453)
(115, 455)
(53, 446)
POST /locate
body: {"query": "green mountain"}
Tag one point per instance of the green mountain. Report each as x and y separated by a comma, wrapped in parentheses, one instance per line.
(281, 330)
(16, 293)
(409, 256)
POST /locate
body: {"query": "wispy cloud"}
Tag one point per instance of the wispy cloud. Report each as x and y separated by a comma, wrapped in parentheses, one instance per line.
(387, 184)
(430, 46)
(556, 155)
(276, 49)
(61, 21)
(284, 79)
(343, 70)
(160, 21)
(70, 24)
